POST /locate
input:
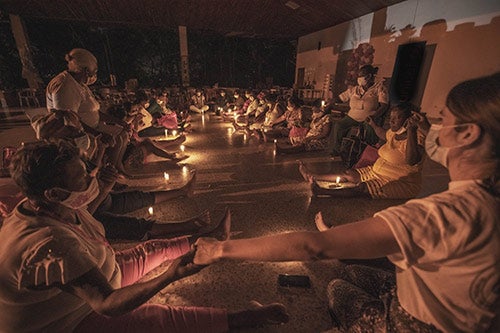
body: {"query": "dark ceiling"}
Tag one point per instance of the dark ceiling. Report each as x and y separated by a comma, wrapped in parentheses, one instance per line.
(243, 18)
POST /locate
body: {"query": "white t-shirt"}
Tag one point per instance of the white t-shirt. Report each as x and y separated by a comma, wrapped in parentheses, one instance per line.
(363, 104)
(448, 270)
(64, 93)
(41, 251)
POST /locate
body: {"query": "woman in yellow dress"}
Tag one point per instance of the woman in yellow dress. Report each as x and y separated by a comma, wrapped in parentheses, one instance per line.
(397, 172)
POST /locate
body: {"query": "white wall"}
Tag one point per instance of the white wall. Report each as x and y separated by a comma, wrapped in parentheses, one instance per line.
(466, 34)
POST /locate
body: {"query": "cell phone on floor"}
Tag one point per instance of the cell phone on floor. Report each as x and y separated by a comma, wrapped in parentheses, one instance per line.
(287, 280)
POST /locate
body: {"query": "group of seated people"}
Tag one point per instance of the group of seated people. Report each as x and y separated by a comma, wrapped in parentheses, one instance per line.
(60, 274)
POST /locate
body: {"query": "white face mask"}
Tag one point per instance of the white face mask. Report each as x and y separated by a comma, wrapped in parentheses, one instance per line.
(401, 130)
(362, 81)
(434, 150)
(91, 80)
(78, 200)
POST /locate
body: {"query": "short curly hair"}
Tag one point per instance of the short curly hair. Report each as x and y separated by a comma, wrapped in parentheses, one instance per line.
(40, 165)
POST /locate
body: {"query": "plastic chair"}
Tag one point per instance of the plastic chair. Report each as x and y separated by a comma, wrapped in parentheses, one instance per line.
(27, 97)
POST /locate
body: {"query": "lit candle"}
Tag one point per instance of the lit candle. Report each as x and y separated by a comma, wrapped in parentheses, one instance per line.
(337, 181)
(166, 176)
(183, 148)
(275, 141)
(150, 210)
(185, 170)
(322, 104)
(174, 132)
(229, 110)
(166, 133)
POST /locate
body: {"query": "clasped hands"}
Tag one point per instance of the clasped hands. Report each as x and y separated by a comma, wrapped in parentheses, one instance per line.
(204, 252)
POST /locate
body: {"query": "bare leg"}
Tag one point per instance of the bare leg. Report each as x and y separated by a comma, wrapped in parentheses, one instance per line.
(320, 223)
(185, 191)
(198, 226)
(270, 314)
(190, 226)
(171, 143)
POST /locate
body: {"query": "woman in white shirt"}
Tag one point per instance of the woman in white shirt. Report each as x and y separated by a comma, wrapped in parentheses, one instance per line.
(69, 91)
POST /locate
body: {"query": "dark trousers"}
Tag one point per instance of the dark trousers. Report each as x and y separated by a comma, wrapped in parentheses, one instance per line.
(341, 129)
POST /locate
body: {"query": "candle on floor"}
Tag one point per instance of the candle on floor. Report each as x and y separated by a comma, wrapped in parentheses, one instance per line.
(166, 176)
(150, 210)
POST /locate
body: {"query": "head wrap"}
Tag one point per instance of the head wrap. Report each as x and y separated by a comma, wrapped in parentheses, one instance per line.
(80, 58)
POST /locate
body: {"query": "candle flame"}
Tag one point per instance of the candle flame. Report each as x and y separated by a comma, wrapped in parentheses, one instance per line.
(337, 180)
(166, 176)
(150, 210)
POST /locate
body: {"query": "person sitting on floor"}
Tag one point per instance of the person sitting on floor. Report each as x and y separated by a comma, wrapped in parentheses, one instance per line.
(292, 117)
(445, 246)
(59, 274)
(238, 102)
(397, 172)
(367, 99)
(141, 147)
(198, 102)
(316, 137)
(110, 206)
(222, 102)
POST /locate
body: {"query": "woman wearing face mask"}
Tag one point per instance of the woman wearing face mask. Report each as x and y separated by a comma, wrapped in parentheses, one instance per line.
(292, 117)
(367, 99)
(396, 173)
(59, 274)
(445, 246)
(316, 137)
(69, 90)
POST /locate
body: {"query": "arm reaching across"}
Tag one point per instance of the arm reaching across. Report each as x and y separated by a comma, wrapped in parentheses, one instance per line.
(370, 238)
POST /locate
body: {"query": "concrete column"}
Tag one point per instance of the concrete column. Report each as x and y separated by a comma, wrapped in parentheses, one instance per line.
(184, 55)
(29, 72)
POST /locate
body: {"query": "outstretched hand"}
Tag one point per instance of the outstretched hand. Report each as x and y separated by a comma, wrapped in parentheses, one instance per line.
(208, 251)
(184, 266)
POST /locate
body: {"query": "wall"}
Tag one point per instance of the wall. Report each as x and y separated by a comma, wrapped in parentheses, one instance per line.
(465, 35)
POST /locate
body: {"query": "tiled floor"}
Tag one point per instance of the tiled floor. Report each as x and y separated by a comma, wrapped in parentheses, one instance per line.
(266, 194)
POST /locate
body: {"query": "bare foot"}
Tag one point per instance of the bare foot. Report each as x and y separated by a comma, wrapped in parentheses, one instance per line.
(221, 230)
(305, 173)
(320, 223)
(258, 315)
